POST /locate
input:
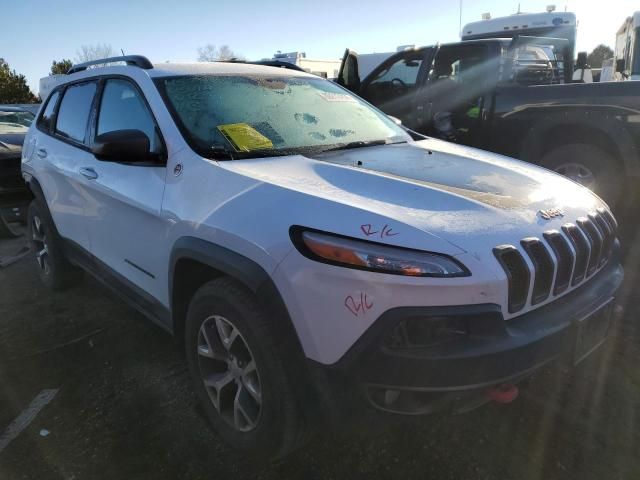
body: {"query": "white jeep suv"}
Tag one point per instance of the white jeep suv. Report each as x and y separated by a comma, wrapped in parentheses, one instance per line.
(315, 256)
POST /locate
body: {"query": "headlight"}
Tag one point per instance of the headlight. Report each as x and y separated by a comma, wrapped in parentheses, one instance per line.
(363, 255)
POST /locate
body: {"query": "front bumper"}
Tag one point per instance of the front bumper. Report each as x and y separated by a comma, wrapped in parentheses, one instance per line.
(494, 351)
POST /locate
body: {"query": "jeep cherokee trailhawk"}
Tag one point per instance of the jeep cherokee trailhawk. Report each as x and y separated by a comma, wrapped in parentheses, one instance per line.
(310, 252)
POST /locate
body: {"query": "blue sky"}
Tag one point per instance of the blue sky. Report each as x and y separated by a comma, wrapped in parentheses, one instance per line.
(35, 32)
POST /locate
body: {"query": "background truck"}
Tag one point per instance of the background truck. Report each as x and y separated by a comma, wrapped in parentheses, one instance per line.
(515, 97)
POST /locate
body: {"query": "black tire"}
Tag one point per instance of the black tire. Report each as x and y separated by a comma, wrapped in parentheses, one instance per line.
(608, 178)
(54, 269)
(278, 426)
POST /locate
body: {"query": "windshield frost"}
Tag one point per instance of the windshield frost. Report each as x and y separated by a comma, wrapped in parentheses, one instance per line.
(275, 114)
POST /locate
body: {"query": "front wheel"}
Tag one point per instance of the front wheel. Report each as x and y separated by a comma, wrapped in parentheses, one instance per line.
(241, 377)
(589, 166)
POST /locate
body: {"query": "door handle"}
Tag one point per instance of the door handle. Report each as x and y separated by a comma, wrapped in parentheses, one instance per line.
(41, 152)
(89, 173)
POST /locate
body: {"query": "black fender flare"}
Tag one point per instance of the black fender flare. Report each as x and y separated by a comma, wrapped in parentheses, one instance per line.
(532, 145)
(237, 266)
(258, 281)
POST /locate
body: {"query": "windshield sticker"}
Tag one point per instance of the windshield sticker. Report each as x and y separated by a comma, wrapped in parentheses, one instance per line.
(245, 138)
(337, 97)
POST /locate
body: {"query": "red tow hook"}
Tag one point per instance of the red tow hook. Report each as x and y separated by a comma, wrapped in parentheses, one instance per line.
(503, 394)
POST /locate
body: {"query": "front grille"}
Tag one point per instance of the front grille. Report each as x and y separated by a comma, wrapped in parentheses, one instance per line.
(567, 259)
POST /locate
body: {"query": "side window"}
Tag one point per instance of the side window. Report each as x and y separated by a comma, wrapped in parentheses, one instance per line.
(123, 108)
(74, 111)
(464, 64)
(404, 71)
(460, 78)
(44, 122)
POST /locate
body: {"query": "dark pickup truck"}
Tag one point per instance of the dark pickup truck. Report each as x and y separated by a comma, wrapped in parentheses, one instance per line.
(512, 96)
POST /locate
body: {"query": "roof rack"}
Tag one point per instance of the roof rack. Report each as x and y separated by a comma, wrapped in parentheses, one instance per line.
(268, 63)
(135, 60)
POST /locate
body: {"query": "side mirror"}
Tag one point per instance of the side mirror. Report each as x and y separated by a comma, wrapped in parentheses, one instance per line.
(395, 120)
(620, 65)
(128, 146)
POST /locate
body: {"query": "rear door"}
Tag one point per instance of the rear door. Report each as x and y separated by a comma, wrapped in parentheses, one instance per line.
(124, 204)
(61, 152)
(394, 84)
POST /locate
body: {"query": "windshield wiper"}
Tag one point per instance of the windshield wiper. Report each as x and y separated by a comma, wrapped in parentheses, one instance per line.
(361, 144)
(220, 152)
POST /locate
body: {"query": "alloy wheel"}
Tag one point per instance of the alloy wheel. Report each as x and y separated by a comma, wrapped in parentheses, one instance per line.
(39, 239)
(229, 372)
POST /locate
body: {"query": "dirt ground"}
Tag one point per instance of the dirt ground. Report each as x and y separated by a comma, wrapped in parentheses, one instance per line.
(125, 408)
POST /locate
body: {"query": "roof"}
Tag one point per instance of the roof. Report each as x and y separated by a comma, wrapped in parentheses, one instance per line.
(47, 84)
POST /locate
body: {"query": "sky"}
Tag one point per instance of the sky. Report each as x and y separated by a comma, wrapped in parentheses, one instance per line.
(35, 32)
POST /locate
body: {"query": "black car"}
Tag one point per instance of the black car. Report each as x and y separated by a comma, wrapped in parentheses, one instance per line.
(14, 124)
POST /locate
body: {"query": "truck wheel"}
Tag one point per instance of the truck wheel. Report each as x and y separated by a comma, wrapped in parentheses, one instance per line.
(239, 373)
(589, 166)
(54, 269)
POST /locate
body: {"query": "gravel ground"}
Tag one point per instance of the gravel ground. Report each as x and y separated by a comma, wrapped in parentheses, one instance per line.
(125, 408)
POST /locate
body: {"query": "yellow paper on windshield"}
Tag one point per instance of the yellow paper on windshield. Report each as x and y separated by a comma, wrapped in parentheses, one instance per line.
(244, 137)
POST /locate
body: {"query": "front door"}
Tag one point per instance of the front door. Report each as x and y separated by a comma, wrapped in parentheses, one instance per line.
(124, 211)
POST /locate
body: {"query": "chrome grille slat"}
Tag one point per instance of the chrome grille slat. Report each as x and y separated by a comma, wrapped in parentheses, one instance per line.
(595, 240)
(544, 269)
(582, 249)
(607, 233)
(565, 259)
(562, 261)
(517, 273)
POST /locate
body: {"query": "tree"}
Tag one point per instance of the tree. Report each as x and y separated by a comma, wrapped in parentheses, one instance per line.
(209, 53)
(87, 53)
(598, 55)
(61, 67)
(13, 86)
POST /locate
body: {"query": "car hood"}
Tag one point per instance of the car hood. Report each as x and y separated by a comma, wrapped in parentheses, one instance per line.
(472, 199)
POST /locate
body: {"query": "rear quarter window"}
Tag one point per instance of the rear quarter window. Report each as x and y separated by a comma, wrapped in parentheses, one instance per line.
(46, 119)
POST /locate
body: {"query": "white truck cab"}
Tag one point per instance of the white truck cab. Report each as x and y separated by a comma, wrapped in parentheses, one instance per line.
(309, 251)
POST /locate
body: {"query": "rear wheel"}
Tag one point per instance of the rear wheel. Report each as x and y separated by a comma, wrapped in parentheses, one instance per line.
(241, 376)
(54, 269)
(589, 166)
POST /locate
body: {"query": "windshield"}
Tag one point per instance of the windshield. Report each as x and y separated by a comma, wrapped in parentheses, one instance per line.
(249, 116)
(15, 122)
